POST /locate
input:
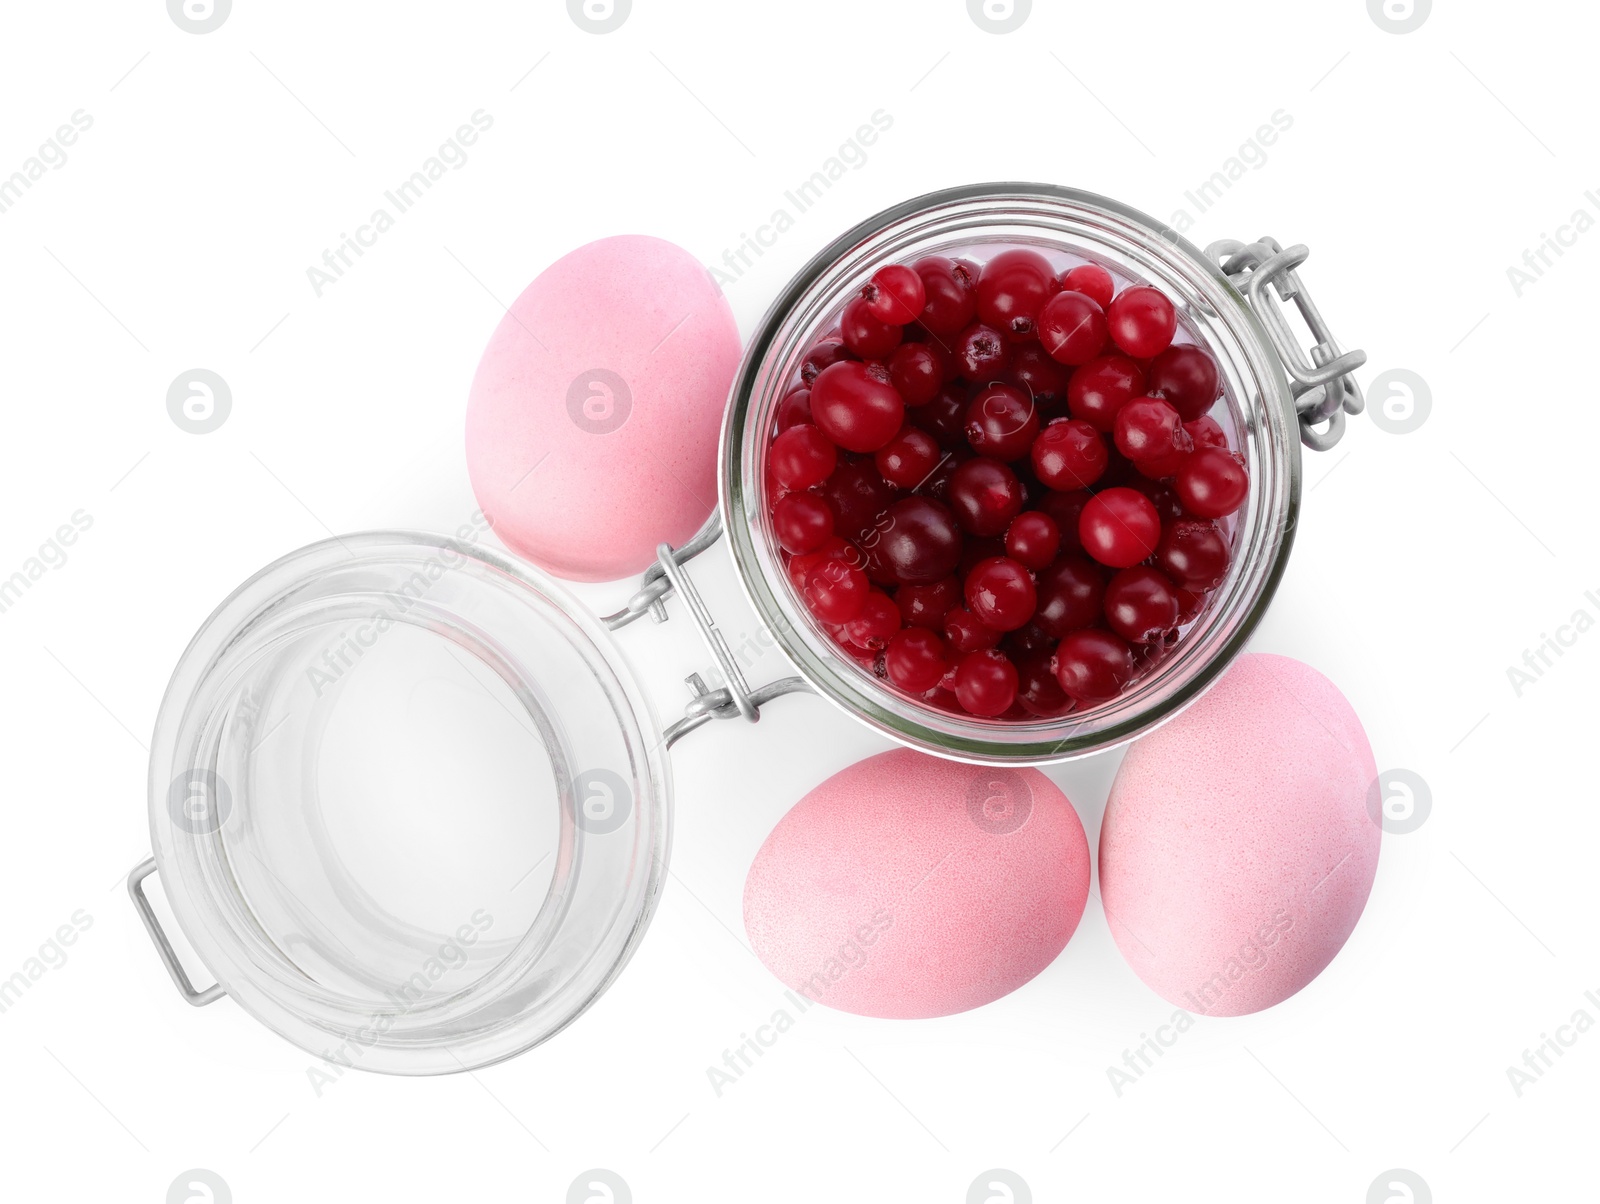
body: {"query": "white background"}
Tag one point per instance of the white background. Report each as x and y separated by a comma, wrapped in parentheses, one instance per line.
(1419, 167)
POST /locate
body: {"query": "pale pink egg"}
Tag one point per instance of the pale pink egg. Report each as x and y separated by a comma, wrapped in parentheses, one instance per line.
(593, 419)
(910, 886)
(1237, 850)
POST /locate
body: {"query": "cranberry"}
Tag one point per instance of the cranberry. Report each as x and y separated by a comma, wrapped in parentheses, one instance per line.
(836, 591)
(1093, 665)
(1070, 592)
(916, 370)
(825, 353)
(950, 301)
(1119, 527)
(919, 540)
(1069, 454)
(980, 354)
(985, 495)
(986, 683)
(1072, 328)
(1000, 592)
(1159, 468)
(1039, 377)
(1141, 604)
(1092, 280)
(1142, 321)
(1066, 508)
(801, 567)
(1194, 553)
(1207, 432)
(908, 458)
(1162, 496)
(864, 333)
(1032, 539)
(878, 621)
(802, 521)
(1038, 691)
(968, 633)
(1102, 387)
(1028, 640)
(895, 295)
(794, 409)
(1190, 604)
(1187, 377)
(1001, 422)
(1148, 428)
(945, 417)
(801, 457)
(858, 494)
(927, 605)
(938, 483)
(1212, 483)
(916, 659)
(855, 405)
(1012, 290)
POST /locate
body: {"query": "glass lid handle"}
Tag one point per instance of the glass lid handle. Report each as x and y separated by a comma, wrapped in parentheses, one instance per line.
(152, 925)
(1324, 389)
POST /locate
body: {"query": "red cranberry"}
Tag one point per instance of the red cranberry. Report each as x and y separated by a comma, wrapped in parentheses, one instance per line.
(916, 659)
(1212, 483)
(1070, 592)
(1001, 422)
(858, 494)
(1038, 691)
(878, 621)
(985, 495)
(950, 301)
(1039, 377)
(835, 591)
(855, 405)
(986, 683)
(919, 540)
(1207, 432)
(896, 295)
(802, 521)
(824, 354)
(916, 370)
(1148, 428)
(968, 633)
(1119, 527)
(1033, 539)
(801, 457)
(945, 417)
(1159, 468)
(1028, 640)
(794, 409)
(1072, 328)
(1141, 604)
(1066, 508)
(864, 333)
(1012, 290)
(1194, 554)
(1000, 592)
(927, 605)
(981, 354)
(1092, 280)
(1093, 665)
(938, 483)
(835, 548)
(1190, 604)
(1162, 496)
(1142, 321)
(908, 458)
(1102, 387)
(1069, 454)
(1187, 377)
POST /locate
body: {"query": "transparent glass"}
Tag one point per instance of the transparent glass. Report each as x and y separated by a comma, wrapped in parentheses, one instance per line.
(408, 802)
(1136, 248)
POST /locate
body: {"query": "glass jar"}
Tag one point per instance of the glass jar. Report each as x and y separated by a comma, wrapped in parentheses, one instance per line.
(406, 797)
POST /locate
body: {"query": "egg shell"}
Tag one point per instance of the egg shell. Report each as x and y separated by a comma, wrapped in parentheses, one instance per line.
(1237, 851)
(908, 886)
(593, 418)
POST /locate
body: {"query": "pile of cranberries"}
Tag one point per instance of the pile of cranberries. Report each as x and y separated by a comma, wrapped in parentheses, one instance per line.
(1000, 487)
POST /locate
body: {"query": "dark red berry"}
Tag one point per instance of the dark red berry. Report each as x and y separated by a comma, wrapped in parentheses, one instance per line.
(927, 605)
(802, 522)
(980, 354)
(908, 458)
(1033, 539)
(1039, 377)
(1148, 428)
(1119, 527)
(1093, 281)
(945, 417)
(1193, 553)
(1187, 377)
(985, 495)
(967, 633)
(1001, 422)
(916, 370)
(1212, 483)
(986, 683)
(858, 494)
(801, 457)
(825, 353)
(1012, 290)
(855, 405)
(1069, 454)
(950, 302)
(1038, 691)
(1207, 432)
(1141, 604)
(1093, 665)
(1066, 508)
(916, 659)
(1069, 593)
(919, 540)
(794, 409)
(1072, 328)
(836, 591)
(1102, 387)
(895, 295)
(1000, 592)
(878, 621)
(1142, 321)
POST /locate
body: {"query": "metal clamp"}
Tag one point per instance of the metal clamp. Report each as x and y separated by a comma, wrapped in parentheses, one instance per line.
(163, 946)
(1324, 389)
(735, 699)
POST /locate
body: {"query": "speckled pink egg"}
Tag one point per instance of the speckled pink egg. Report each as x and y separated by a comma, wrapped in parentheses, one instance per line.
(593, 420)
(1237, 851)
(908, 886)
